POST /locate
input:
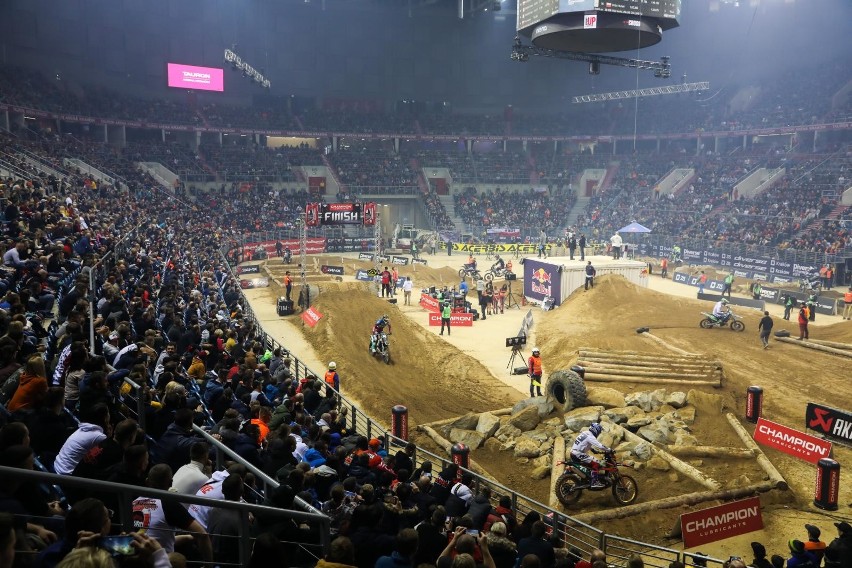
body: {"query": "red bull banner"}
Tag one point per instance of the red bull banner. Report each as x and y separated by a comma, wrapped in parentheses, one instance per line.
(542, 280)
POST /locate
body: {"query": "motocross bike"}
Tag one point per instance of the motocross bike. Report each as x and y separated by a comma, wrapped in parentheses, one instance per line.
(812, 285)
(468, 270)
(710, 321)
(381, 347)
(494, 272)
(577, 477)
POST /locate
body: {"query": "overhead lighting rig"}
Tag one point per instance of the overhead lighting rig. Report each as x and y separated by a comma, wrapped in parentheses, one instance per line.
(662, 69)
(649, 92)
(239, 65)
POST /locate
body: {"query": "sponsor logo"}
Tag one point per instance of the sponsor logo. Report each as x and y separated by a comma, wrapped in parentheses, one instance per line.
(590, 21)
(456, 319)
(829, 421)
(311, 316)
(723, 521)
(364, 276)
(400, 260)
(633, 23)
(419, 261)
(429, 303)
(540, 282)
(365, 256)
(335, 270)
(792, 442)
(248, 269)
(250, 283)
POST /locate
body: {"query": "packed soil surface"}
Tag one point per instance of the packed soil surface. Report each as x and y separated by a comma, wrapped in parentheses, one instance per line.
(439, 377)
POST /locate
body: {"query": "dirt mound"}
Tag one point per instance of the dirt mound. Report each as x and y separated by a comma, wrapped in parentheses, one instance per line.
(432, 378)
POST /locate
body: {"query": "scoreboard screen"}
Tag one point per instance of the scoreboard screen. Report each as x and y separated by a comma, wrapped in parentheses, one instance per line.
(531, 12)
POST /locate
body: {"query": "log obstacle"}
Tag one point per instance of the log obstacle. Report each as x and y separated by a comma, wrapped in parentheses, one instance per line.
(662, 369)
(775, 477)
(835, 344)
(709, 452)
(677, 464)
(672, 502)
(845, 352)
(665, 343)
(556, 470)
(447, 446)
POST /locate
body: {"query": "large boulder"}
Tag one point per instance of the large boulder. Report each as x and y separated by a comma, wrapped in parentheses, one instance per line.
(657, 433)
(637, 422)
(537, 436)
(492, 445)
(580, 418)
(643, 451)
(544, 405)
(646, 400)
(507, 432)
(684, 438)
(658, 464)
(488, 424)
(540, 472)
(603, 396)
(685, 414)
(466, 422)
(527, 448)
(712, 403)
(676, 399)
(623, 414)
(470, 438)
(526, 419)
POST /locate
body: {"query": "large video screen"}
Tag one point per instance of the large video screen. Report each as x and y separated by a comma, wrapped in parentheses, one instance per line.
(198, 78)
(531, 12)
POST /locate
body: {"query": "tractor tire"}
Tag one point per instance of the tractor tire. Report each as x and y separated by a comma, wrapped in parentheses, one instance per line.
(566, 389)
(782, 333)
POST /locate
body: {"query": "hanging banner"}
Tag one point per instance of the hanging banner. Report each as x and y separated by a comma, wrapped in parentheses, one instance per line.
(718, 523)
(312, 214)
(311, 316)
(334, 214)
(370, 213)
(792, 442)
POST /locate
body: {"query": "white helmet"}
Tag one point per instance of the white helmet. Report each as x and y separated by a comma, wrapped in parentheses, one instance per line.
(535, 350)
(332, 366)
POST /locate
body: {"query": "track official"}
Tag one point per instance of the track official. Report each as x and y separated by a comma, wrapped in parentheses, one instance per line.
(446, 312)
(534, 367)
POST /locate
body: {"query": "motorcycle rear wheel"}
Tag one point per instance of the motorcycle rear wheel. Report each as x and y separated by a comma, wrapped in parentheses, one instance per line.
(706, 323)
(462, 272)
(386, 357)
(566, 490)
(489, 276)
(625, 490)
(737, 326)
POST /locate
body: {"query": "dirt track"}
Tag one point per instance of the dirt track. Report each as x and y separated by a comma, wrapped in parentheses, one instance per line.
(437, 379)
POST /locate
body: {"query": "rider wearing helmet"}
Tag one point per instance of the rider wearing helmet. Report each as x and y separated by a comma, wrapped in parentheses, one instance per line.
(534, 370)
(582, 443)
(377, 329)
(499, 264)
(332, 379)
(721, 310)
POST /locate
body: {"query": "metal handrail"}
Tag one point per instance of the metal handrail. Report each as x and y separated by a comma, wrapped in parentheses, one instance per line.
(128, 492)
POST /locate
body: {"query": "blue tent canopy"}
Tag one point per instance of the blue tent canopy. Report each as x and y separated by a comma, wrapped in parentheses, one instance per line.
(634, 227)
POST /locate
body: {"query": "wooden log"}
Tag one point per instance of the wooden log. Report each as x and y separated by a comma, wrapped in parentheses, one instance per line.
(672, 502)
(810, 345)
(709, 452)
(648, 364)
(835, 344)
(595, 377)
(446, 445)
(556, 470)
(607, 370)
(445, 421)
(634, 355)
(775, 478)
(678, 465)
(665, 344)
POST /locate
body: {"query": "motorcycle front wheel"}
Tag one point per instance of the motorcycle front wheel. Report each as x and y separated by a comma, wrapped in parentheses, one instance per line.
(566, 488)
(625, 490)
(386, 357)
(706, 323)
(462, 273)
(489, 276)
(737, 326)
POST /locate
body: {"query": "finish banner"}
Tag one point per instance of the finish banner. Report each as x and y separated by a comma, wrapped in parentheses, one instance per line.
(792, 442)
(718, 523)
(456, 320)
(429, 303)
(832, 422)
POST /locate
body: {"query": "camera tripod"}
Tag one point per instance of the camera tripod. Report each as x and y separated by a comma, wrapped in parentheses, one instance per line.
(510, 299)
(516, 351)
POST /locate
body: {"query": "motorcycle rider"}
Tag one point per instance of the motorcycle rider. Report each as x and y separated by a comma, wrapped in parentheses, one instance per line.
(721, 311)
(582, 443)
(499, 264)
(378, 328)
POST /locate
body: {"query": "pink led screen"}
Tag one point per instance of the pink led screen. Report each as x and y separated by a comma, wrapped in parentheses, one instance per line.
(199, 78)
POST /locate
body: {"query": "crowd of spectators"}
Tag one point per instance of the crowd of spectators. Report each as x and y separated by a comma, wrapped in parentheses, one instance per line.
(255, 163)
(526, 210)
(373, 167)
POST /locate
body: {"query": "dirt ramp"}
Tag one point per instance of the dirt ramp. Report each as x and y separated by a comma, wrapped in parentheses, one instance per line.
(431, 377)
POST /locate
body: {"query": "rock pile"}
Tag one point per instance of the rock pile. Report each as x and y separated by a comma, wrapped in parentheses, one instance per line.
(529, 431)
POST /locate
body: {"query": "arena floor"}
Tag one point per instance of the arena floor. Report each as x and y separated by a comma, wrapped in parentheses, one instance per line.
(439, 376)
